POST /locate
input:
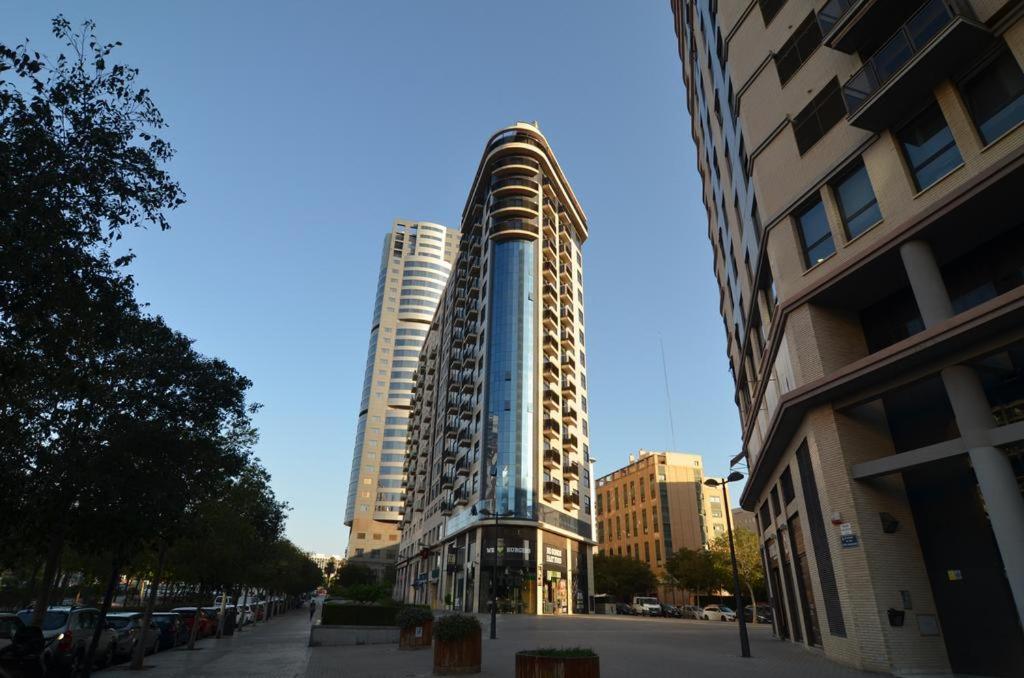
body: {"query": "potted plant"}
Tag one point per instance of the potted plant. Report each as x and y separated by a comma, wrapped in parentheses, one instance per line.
(456, 644)
(415, 625)
(569, 662)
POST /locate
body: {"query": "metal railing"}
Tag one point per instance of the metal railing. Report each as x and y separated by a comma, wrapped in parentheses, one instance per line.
(832, 12)
(909, 40)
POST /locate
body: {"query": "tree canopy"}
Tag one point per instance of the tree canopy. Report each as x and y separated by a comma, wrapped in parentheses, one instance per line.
(622, 577)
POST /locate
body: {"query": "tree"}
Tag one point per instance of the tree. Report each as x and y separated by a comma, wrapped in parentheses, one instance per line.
(354, 574)
(80, 163)
(329, 569)
(748, 562)
(622, 577)
(697, 570)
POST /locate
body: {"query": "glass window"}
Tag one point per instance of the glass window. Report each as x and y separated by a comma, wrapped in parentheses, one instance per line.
(798, 48)
(769, 8)
(857, 201)
(995, 97)
(819, 116)
(815, 236)
(929, 147)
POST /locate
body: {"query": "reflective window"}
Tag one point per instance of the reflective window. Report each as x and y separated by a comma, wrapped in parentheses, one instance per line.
(508, 433)
(798, 48)
(929, 147)
(819, 116)
(857, 202)
(995, 97)
(815, 236)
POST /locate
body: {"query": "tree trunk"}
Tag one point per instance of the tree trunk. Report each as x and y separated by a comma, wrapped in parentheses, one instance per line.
(139, 654)
(753, 605)
(195, 629)
(101, 623)
(53, 553)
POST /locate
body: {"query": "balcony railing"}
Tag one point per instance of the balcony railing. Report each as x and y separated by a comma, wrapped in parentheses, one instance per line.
(514, 181)
(527, 225)
(897, 52)
(505, 203)
(515, 160)
(552, 458)
(832, 12)
(571, 470)
(572, 497)
(552, 488)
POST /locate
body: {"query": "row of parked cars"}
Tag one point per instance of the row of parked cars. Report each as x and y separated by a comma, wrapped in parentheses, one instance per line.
(648, 606)
(60, 646)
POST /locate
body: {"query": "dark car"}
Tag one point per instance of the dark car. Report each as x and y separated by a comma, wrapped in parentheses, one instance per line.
(173, 630)
(67, 632)
(764, 614)
(623, 608)
(670, 611)
(22, 656)
(128, 626)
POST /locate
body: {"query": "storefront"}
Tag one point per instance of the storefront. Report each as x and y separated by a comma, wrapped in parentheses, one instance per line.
(516, 567)
(556, 579)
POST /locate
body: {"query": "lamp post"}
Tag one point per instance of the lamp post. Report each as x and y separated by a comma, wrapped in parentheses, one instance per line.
(723, 482)
(494, 566)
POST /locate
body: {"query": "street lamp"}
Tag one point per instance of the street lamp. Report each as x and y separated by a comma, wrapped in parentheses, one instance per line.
(716, 482)
(494, 568)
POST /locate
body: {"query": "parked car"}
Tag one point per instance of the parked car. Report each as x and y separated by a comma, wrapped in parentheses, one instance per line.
(692, 612)
(214, 614)
(623, 608)
(646, 605)
(128, 626)
(764, 614)
(670, 611)
(10, 624)
(67, 632)
(23, 656)
(718, 613)
(246, 614)
(216, 601)
(173, 630)
(207, 626)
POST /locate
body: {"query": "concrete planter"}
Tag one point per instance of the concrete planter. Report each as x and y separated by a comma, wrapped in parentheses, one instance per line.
(416, 637)
(532, 665)
(457, 656)
(352, 635)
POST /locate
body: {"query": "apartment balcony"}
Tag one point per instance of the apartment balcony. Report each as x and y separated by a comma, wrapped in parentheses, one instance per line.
(474, 270)
(462, 467)
(420, 489)
(568, 362)
(551, 344)
(550, 368)
(514, 205)
(445, 508)
(515, 227)
(549, 293)
(552, 429)
(447, 480)
(418, 507)
(567, 315)
(552, 458)
(567, 339)
(550, 272)
(550, 251)
(466, 413)
(569, 415)
(565, 294)
(854, 26)
(564, 255)
(514, 185)
(568, 388)
(552, 489)
(570, 442)
(565, 273)
(512, 164)
(461, 496)
(571, 498)
(936, 40)
(551, 396)
(571, 470)
(471, 335)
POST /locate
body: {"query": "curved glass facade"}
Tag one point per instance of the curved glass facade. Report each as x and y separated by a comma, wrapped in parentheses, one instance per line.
(509, 434)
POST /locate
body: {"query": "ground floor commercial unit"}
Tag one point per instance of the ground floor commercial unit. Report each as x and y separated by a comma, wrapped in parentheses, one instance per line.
(535, 569)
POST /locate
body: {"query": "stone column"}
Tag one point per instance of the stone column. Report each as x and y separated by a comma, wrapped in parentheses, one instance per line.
(996, 480)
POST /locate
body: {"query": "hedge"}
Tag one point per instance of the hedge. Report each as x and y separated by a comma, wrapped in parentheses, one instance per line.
(335, 614)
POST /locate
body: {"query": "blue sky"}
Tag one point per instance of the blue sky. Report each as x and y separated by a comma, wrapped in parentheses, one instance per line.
(303, 129)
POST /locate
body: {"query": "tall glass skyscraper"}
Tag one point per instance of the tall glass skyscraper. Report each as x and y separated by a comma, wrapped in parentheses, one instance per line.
(499, 419)
(415, 265)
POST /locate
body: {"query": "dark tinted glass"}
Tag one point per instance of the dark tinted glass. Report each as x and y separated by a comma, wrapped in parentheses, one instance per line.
(996, 97)
(857, 201)
(929, 146)
(798, 48)
(815, 234)
(819, 116)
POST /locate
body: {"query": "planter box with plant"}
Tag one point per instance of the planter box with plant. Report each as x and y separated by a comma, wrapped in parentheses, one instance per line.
(456, 644)
(416, 624)
(571, 662)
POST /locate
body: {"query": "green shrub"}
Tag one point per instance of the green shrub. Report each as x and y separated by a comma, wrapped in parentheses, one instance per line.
(340, 614)
(411, 616)
(456, 627)
(560, 652)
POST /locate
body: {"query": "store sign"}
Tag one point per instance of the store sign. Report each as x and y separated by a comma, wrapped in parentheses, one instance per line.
(519, 551)
(553, 555)
(846, 536)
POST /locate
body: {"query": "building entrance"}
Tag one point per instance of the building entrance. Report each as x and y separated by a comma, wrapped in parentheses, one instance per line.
(976, 611)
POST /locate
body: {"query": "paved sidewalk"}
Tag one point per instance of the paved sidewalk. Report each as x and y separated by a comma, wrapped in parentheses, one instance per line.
(628, 646)
(274, 649)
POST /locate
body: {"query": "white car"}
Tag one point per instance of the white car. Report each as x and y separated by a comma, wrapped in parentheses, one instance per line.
(647, 606)
(718, 613)
(246, 615)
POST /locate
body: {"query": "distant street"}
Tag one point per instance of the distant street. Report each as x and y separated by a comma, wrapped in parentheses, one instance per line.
(627, 646)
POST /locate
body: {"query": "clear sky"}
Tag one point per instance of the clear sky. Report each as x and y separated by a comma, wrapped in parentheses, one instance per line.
(304, 128)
